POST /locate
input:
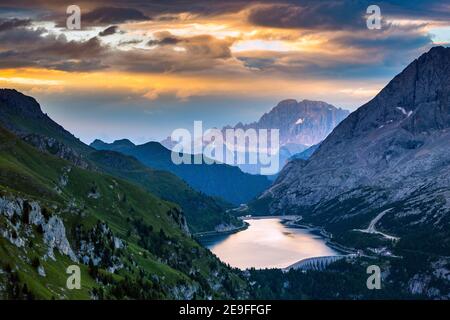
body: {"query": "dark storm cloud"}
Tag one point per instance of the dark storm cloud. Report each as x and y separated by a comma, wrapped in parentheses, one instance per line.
(165, 8)
(197, 46)
(165, 52)
(201, 53)
(113, 15)
(169, 40)
(310, 15)
(317, 8)
(72, 49)
(436, 10)
(340, 14)
(394, 42)
(109, 31)
(23, 47)
(8, 24)
(129, 42)
(26, 47)
(147, 8)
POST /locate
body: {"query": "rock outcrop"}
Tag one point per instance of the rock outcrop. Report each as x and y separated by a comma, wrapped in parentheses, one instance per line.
(58, 149)
(22, 214)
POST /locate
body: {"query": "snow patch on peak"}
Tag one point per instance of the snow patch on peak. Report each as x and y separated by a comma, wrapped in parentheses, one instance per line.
(299, 121)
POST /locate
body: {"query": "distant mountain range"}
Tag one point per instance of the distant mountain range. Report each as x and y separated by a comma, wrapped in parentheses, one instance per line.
(300, 124)
(221, 180)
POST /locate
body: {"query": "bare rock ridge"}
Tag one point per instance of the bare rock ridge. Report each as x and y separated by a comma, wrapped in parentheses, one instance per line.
(305, 122)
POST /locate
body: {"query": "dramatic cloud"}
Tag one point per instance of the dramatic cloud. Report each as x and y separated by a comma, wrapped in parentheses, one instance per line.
(33, 48)
(311, 15)
(162, 39)
(112, 15)
(341, 14)
(200, 54)
(176, 54)
(319, 38)
(139, 8)
(9, 24)
(297, 12)
(109, 31)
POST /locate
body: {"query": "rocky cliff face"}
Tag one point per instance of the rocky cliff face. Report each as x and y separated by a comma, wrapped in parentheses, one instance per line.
(394, 148)
(21, 214)
(58, 149)
(300, 123)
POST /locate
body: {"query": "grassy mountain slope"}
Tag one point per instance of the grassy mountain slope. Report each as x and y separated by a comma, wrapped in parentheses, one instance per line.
(127, 242)
(203, 212)
(22, 115)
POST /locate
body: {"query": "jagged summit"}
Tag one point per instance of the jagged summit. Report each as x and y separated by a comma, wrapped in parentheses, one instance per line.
(416, 99)
(15, 102)
(306, 122)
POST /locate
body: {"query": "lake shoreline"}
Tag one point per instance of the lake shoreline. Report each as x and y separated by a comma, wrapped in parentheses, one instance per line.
(324, 234)
(201, 235)
(256, 242)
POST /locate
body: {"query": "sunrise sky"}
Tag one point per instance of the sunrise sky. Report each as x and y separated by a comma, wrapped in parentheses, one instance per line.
(139, 69)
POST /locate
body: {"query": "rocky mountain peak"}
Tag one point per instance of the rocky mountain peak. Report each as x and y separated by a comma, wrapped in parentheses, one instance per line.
(397, 142)
(97, 142)
(16, 103)
(416, 99)
(124, 142)
(305, 123)
(22, 115)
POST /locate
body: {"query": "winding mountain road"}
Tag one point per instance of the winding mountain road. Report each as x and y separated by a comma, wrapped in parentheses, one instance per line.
(371, 228)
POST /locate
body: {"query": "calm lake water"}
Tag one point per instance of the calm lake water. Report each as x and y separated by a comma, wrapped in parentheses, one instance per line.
(267, 243)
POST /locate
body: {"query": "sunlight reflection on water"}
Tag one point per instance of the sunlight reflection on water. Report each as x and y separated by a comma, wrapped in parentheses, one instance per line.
(267, 243)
